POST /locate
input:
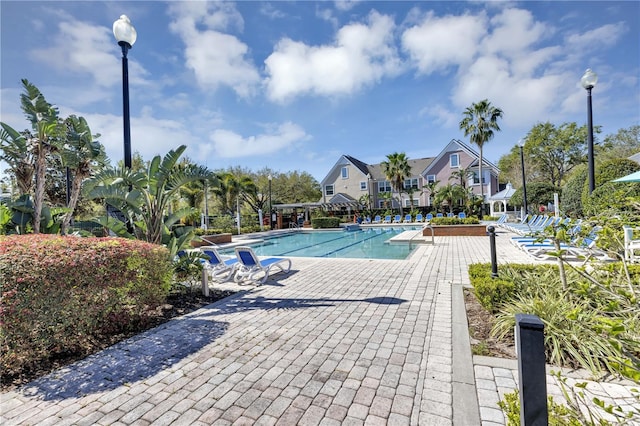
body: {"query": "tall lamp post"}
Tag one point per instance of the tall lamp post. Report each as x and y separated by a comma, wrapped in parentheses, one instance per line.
(126, 36)
(369, 190)
(271, 222)
(524, 179)
(588, 81)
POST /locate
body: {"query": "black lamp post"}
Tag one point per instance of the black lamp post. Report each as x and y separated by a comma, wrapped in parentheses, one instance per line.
(524, 179)
(588, 81)
(126, 36)
(270, 205)
(369, 191)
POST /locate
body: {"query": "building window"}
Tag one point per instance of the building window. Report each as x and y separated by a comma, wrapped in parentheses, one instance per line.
(454, 160)
(328, 190)
(431, 178)
(410, 183)
(384, 186)
(363, 185)
(407, 203)
(476, 179)
(345, 173)
(381, 204)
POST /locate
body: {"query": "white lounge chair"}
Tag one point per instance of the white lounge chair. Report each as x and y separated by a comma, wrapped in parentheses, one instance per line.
(219, 268)
(252, 269)
(631, 245)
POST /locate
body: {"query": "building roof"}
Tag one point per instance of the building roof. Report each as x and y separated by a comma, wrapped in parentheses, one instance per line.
(505, 194)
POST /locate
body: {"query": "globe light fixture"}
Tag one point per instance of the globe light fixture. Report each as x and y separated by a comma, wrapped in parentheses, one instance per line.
(126, 36)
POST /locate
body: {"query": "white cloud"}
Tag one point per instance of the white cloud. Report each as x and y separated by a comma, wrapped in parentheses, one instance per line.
(363, 53)
(438, 43)
(83, 48)
(606, 35)
(215, 58)
(514, 31)
(229, 144)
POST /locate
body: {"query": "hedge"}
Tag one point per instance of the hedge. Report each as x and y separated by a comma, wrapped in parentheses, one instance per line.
(59, 294)
(325, 222)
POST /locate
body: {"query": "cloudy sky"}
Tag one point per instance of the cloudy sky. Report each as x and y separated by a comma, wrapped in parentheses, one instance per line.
(295, 85)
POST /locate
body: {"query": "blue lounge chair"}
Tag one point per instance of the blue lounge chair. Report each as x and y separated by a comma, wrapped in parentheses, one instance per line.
(407, 219)
(367, 220)
(254, 270)
(397, 219)
(450, 214)
(439, 215)
(429, 216)
(387, 219)
(377, 219)
(462, 215)
(419, 218)
(217, 267)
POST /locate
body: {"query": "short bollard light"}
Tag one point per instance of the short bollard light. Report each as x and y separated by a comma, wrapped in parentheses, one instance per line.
(529, 334)
(491, 230)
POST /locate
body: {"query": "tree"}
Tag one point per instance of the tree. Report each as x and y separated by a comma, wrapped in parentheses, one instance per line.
(622, 144)
(479, 123)
(432, 189)
(19, 157)
(448, 194)
(144, 197)
(42, 140)
(396, 169)
(554, 151)
(80, 153)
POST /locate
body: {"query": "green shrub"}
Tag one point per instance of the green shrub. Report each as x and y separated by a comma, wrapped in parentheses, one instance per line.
(325, 222)
(572, 192)
(472, 220)
(60, 293)
(610, 196)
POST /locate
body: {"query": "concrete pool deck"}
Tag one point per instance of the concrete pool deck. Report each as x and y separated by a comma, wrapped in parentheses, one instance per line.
(335, 341)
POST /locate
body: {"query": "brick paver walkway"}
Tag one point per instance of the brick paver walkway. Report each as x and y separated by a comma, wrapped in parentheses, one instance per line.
(336, 341)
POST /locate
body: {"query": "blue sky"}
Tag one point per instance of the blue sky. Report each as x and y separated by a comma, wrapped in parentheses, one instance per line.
(295, 85)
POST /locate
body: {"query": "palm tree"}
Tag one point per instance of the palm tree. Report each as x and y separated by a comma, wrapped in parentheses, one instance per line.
(396, 170)
(145, 196)
(479, 122)
(448, 194)
(431, 187)
(80, 153)
(463, 176)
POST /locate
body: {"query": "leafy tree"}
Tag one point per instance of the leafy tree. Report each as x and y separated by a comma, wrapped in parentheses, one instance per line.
(538, 193)
(396, 169)
(571, 202)
(611, 196)
(554, 151)
(462, 175)
(479, 122)
(622, 144)
(144, 198)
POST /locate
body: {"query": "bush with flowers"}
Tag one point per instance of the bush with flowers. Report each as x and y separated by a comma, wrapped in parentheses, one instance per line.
(61, 294)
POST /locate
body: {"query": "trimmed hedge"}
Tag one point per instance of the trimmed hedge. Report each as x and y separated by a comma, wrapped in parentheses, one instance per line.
(325, 222)
(60, 293)
(472, 220)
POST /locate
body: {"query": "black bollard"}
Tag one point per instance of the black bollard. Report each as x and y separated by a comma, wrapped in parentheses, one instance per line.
(491, 230)
(531, 370)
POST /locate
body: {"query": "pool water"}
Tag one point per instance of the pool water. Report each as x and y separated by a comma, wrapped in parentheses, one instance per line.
(366, 243)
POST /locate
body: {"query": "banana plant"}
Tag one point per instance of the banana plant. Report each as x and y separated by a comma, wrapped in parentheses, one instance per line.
(144, 197)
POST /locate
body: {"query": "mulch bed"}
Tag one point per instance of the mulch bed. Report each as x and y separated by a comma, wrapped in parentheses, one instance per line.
(480, 324)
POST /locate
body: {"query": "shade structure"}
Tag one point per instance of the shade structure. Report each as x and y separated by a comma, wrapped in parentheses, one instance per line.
(633, 177)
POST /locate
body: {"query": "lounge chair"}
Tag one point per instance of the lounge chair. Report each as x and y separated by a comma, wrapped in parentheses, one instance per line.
(219, 268)
(377, 219)
(397, 219)
(630, 245)
(367, 220)
(387, 219)
(439, 215)
(255, 270)
(419, 218)
(450, 215)
(407, 219)
(429, 216)
(462, 215)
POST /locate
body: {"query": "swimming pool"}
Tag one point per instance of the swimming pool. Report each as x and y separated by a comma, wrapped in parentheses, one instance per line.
(366, 243)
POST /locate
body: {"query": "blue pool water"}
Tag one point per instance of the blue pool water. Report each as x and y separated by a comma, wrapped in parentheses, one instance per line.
(367, 243)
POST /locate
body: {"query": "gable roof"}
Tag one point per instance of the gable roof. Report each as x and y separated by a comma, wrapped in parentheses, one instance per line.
(458, 145)
(417, 166)
(362, 167)
(505, 194)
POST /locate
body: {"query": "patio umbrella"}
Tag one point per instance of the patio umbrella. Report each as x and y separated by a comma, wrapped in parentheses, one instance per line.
(633, 177)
